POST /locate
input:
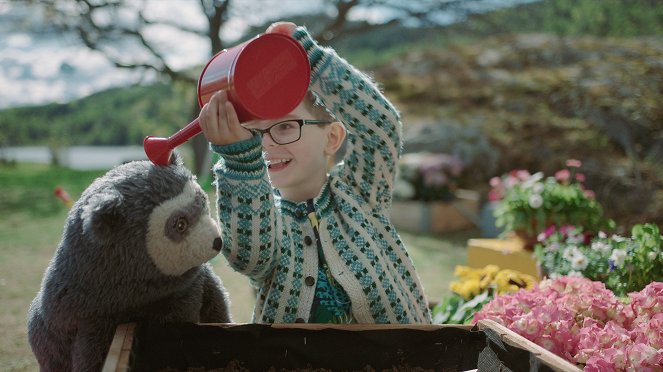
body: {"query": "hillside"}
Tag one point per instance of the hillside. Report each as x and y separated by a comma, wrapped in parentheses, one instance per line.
(531, 101)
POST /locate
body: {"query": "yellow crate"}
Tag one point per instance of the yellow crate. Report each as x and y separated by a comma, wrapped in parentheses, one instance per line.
(505, 253)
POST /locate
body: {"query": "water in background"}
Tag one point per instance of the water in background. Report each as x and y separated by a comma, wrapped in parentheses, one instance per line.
(76, 157)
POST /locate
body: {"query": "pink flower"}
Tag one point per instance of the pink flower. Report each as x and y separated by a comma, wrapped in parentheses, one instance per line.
(573, 163)
(522, 174)
(599, 364)
(644, 356)
(563, 175)
(585, 323)
(590, 194)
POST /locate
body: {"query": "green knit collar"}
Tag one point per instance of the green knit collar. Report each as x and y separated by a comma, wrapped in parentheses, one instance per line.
(298, 210)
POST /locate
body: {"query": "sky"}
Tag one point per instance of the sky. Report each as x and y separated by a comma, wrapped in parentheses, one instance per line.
(37, 69)
(55, 67)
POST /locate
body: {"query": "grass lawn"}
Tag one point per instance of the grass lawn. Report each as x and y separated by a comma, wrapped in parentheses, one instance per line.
(31, 227)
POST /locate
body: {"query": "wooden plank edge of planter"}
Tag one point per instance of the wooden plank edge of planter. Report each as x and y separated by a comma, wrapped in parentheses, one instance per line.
(119, 351)
(512, 338)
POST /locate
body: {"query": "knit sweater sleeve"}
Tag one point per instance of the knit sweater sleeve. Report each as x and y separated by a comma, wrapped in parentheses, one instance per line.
(245, 207)
(374, 126)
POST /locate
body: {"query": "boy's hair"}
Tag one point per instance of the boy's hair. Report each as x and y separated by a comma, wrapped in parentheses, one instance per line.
(317, 108)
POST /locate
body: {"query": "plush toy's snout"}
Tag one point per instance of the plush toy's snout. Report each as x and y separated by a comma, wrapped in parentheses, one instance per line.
(218, 244)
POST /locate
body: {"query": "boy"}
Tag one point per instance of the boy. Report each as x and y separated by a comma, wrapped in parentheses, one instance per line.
(320, 246)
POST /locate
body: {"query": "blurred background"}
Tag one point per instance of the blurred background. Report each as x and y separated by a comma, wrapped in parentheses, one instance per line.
(501, 85)
(497, 85)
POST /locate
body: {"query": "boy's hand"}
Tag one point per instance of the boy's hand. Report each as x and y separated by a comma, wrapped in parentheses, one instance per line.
(285, 28)
(219, 122)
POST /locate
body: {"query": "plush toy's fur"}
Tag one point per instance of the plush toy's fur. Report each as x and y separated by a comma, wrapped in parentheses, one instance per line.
(134, 248)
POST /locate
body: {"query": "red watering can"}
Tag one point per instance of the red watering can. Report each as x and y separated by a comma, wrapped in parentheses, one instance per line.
(266, 78)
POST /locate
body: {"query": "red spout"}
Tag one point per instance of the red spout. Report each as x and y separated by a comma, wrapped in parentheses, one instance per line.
(159, 149)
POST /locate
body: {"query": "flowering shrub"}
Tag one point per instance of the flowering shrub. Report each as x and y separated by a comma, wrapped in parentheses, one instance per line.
(529, 203)
(427, 176)
(623, 264)
(585, 323)
(474, 288)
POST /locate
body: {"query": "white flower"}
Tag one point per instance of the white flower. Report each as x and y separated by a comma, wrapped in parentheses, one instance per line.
(652, 256)
(552, 247)
(601, 247)
(570, 252)
(535, 201)
(618, 257)
(403, 190)
(618, 238)
(579, 262)
(537, 188)
(575, 274)
(602, 235)
(575, 239)
(541, 237)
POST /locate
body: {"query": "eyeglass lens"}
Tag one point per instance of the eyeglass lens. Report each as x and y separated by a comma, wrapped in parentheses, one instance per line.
(285, 132)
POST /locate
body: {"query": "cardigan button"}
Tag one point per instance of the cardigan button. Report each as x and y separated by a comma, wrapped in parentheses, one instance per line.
(299, 213)
(309, 281)
(308, 240)
(300, 320)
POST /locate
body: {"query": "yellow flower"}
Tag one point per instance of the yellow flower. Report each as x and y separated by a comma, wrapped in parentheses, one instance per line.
(511, 281)
(466, 288)
(488, 276)
(472, 281)
(465, 272)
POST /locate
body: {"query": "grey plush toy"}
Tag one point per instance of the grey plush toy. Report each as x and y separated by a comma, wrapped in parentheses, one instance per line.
(135, 248)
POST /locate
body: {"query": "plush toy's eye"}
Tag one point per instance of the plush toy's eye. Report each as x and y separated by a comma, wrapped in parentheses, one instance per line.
(181, 224)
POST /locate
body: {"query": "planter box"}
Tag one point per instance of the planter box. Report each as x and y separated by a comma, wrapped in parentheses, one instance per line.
(507, 350)
(437, 217)
(321, 347)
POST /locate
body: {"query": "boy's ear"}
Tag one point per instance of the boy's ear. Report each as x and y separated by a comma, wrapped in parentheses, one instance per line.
(335, 138)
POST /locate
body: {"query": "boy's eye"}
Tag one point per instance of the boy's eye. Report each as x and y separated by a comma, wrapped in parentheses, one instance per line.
(286, 126)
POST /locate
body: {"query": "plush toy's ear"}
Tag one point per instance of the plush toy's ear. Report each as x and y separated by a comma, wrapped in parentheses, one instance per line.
(175, 159)
(103, 213)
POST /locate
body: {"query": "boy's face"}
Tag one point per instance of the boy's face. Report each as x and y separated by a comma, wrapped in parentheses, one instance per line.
(297, 169)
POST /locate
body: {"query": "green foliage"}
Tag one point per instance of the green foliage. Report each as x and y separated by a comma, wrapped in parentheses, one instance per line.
(454, 309)
(29, 188)
(119, 116)
(624, 264)
(605, 18)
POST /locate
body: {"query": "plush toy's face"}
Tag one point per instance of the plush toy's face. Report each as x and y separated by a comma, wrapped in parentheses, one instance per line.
(181, 234)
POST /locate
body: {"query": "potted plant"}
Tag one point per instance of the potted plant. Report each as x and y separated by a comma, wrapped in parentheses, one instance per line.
(526, 204)
(427, 197)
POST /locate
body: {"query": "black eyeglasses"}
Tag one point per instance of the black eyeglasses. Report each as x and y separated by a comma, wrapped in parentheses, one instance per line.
(287, 131)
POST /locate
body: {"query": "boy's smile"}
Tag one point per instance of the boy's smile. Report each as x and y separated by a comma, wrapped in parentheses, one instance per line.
(277, 164)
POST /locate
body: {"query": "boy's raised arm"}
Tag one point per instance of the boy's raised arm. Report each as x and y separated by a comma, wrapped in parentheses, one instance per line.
(374, 126)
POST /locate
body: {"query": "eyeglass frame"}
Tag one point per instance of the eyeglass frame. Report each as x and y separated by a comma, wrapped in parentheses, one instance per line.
(301, 123)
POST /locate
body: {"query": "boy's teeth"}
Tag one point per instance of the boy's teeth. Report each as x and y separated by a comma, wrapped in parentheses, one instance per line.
(278, 161)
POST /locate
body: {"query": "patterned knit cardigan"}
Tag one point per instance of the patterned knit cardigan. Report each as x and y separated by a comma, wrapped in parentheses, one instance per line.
(271, 240)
